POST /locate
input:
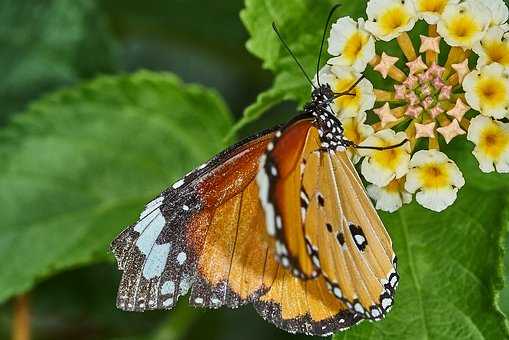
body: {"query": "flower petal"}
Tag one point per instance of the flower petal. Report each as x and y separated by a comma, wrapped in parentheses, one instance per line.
(464, 24)
(381, 167)
(389, 18)
(340, 80)
(351, 43)
(491, 139)
(487, 90)
(431, 10)
(389, 198)
(435, 178)
(493, 48)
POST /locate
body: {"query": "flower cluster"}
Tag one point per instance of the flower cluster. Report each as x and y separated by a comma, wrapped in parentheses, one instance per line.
(451, 81)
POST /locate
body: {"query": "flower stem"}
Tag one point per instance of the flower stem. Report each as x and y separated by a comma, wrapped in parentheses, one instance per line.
(21, 319)
(406, 46)
(431, 56)
(465, 124)
(410, 132)
(384, 96)
(432, 31)
(456, 55)
(433, 143)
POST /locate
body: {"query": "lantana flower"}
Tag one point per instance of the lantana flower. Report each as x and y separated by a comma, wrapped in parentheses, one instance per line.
(499, 13)
(493, 48)
(435, 178)
(465, 23)
(491, 139)
(381, 167)
(351, 43)
(388, 18)
(356, 130)
(429, 94)
(431, 10)
(361, 97)
(390, 197)
(487, 90)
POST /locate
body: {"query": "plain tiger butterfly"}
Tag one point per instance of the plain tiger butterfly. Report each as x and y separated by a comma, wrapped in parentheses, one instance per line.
(280, 220)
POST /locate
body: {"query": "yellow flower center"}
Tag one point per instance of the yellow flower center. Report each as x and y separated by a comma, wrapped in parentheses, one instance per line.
(388, 159)
(463, 27)
(493, 141)
(352, 100)
(434, 175)
(436, 6)
(491, 91)
(354, 46)
(351, 130)
(393, 186)
(497, 52)
(393, 18)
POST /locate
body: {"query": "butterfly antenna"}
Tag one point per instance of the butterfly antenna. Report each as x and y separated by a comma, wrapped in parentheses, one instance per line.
(380, 148)
(325, 29)
(291, 53)
(347, 92)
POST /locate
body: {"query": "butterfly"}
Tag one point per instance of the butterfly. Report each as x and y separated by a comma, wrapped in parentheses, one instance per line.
(279, 220)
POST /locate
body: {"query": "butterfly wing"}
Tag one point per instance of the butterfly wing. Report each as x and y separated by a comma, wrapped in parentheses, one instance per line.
(162, 255)
(279, 180)
(353, 248)
(302, 306)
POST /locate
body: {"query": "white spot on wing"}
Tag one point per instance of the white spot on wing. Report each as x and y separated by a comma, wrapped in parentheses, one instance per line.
(156, 261)
(181, 258)
(168, 302)
(178, 184)
(263, 184)
(185, 284)
(150, 228)
(359, 239)
(168, 288)
(150, 208)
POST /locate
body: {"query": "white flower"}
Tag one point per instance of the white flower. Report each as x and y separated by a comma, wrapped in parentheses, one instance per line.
(487, 90)
(391, 197)
(360, 99)
(355, 131)
(464, 24)
(351, 43)
(381, 167)
(431, 10)
(389, 18)
(499, 11)
(435, 178)
(491, 139)
(493, 48)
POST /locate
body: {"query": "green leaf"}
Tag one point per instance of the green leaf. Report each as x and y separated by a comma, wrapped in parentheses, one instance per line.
(78, 165)
(301, 23)
(451, 271)
(46, 44)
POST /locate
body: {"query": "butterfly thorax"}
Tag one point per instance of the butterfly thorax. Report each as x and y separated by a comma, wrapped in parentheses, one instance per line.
(329, 127)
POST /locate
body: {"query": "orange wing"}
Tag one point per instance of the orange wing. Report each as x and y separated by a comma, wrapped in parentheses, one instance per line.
(160, 254)
(207, 233)
(280, 179)
(353, 248)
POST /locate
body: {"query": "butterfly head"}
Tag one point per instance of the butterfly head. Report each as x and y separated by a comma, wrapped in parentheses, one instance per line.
(322, 95)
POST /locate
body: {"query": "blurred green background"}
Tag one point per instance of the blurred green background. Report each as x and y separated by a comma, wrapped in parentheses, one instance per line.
(91, 140)
(52, 44)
